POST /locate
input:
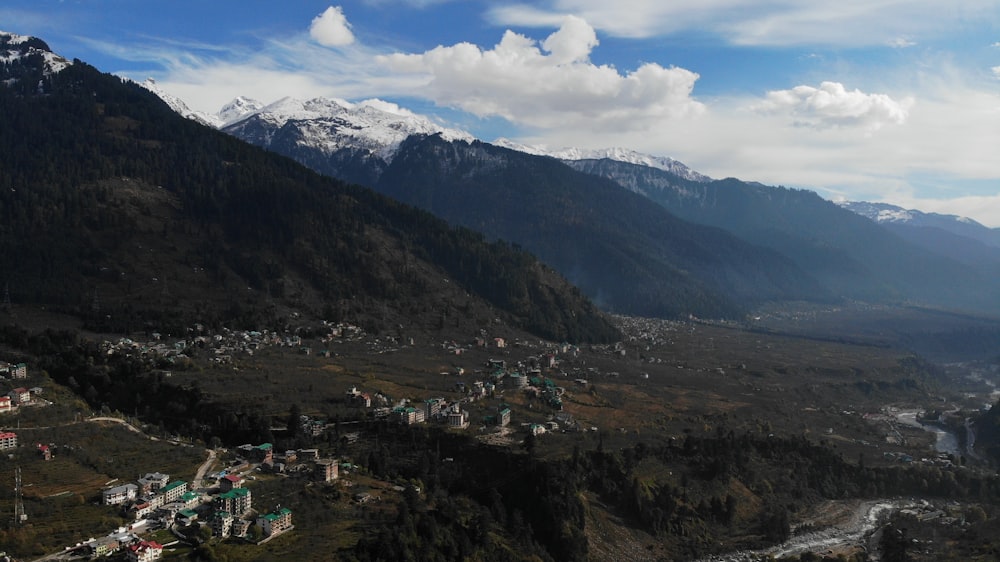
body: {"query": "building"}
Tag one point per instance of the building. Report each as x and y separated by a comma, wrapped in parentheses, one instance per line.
(45, 452)
(19, 371)
(276, 522)
(262, 453)
(503, 417)
(408, 415)
(5, 404)
(229, 482)
(327, 470)
(222, 524)
(187, 516)
(120, 494)
(153, 482)
(8, 440)
(173, 491)
(140, 510)
(458, 419)
(236, 501)
(432, 407)
(104, 546)
(144, 551)
(20, 396)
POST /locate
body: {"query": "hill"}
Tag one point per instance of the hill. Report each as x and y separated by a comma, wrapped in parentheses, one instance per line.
(116, 209)
(626, 255)
(849, 254)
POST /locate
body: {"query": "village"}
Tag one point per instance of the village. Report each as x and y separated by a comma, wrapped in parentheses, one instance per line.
(502, 392)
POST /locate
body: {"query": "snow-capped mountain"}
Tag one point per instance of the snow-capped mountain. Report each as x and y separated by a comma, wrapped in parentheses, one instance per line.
(14, 48)
(617, 154)
(330, 125)
(891, 215)
(179, 106)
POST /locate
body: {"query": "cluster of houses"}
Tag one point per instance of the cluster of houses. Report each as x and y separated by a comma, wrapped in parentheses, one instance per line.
(228, 513)
(225, 345)
(123, 539)
(19, 396)
(13, 370)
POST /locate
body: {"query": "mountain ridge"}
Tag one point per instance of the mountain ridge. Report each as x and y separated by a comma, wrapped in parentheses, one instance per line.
(120, 211)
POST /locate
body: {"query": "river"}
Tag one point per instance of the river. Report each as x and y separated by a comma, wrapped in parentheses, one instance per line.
(867, 517)
(946, 441)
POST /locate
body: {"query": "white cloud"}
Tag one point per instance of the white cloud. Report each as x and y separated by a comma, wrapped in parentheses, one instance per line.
(832, 105)
(901, 43)
(762, 22)
(331, 28)
(551, 84)
(996, 71)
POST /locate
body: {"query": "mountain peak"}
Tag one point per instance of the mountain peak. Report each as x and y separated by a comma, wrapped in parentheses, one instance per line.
(617, 154)
(332, 124)
(22, 48)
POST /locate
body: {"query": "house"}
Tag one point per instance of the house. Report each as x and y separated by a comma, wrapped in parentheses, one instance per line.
(503, 416)
(5, 404)
(140, 510)
(18, 371)
(309, 454)
(275, 522)
(327, 470)
(144, 551)
(222, 524)
(20, 396)
(408, 415)
(229, 482)
(173, 491)
(458, 419)
(153, 482)
(432, 407)
(262, 453)
(236, 501)
(120, 494)
(45, 452)
(103, 546)
(8, 440)
(240, 527)
(187, 516)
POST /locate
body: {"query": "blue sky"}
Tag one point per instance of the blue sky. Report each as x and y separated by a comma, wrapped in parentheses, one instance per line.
(881, 100)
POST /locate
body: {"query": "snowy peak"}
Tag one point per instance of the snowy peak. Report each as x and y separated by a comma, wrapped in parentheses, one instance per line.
(22, 49)
(617, 154)
(178, 105)
(331, 124)
(237, 110)
(891, 215)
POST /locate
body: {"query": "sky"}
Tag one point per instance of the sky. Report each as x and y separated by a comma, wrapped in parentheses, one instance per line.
(895, 101)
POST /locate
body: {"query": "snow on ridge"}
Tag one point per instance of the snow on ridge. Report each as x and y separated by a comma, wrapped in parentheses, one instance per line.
(331, 124)
(12, 48)
(14, 38)
(617, 154)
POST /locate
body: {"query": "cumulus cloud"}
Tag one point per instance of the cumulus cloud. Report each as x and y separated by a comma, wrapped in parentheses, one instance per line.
(550, 84)
(331, 28)
(832, 105)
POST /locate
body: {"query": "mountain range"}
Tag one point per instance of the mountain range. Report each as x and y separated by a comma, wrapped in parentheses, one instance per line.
(769, 243)
(705, 247)
(118, 210)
